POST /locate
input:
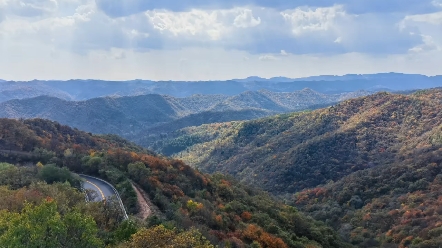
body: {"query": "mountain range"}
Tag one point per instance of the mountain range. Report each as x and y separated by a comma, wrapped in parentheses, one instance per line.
(371, 167)
(87, 89)
(367, 163)
(142, 117)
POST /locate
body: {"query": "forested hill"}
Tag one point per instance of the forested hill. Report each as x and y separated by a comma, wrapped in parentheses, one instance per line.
(369, 166)
(196, 210)
(137, 117)
(287, 153)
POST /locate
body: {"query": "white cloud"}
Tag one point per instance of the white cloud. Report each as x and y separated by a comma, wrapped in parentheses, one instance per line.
(432, 18)
(246, 19)
(428, 27)
(209, 23)
(306, 19)
(191, 23)
(29, 8)
(136, 33)
(437, 3)
(428, 44)
(267, 57)
(84, 12)
(22, 28)
(76, 39)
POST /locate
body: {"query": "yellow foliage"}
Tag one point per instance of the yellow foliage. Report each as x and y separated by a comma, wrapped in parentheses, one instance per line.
(161, 237)
(92, 152)
(194, 206)
(39, 165)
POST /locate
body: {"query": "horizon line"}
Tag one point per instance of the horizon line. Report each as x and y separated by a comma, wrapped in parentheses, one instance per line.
(224, 80)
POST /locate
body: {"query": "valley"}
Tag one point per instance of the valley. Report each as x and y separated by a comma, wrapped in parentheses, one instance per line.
(205, 209)
(220, 124)
(143, 119)
(364, 165)
(368, 166)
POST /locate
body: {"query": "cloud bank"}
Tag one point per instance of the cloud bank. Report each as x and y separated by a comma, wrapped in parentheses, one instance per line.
(66, 35)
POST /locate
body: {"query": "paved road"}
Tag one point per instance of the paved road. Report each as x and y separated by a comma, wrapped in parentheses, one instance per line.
(103, 189)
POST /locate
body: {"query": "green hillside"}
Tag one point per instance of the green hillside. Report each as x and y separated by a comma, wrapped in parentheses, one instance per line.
(196, 210)
(369, 166)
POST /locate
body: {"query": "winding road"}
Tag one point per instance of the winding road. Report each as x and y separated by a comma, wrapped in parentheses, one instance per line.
(103, 188)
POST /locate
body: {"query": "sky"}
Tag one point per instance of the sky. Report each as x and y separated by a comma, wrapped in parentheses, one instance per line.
(217, 40)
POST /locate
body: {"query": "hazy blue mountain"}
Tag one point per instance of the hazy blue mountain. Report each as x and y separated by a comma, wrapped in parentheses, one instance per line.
(136, 117)
(19, 90)
(376, 76)
(88, 89)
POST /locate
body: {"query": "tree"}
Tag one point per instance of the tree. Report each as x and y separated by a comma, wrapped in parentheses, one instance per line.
(154, 237)
(125, 230)
(161, 237)
(138, 171)
(5, 166)
(39, 165)
(43, 226)
(81, 231)
(52, 174)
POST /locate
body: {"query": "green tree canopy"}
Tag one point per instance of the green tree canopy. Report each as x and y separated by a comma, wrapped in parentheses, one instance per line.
(44, 226)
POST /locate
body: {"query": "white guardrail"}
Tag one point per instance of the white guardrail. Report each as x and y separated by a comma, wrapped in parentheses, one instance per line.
(115, 191)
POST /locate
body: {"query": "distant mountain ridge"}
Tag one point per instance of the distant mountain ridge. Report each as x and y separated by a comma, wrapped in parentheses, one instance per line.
(346, 77)
(78, 90)
(136, 117)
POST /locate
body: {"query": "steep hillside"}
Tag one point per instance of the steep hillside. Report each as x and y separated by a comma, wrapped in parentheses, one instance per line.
(148, 137)
(139, 117)
(227, 213)
(281, 152)
(99, 115)
(369, 166)
(251, 99)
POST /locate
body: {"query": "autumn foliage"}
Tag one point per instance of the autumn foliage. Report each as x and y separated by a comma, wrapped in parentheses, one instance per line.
(193, 208)
(255, 233)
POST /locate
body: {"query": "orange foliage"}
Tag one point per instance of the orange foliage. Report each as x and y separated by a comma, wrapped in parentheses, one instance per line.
(405, 242)
(246, 216)
(134, 156)
(154, 181)
(367, 217)
(225, 183)
(219, 219)
(256, 233)
(173, 190)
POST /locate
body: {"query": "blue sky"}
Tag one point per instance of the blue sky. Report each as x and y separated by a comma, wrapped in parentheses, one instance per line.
(208, 40)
